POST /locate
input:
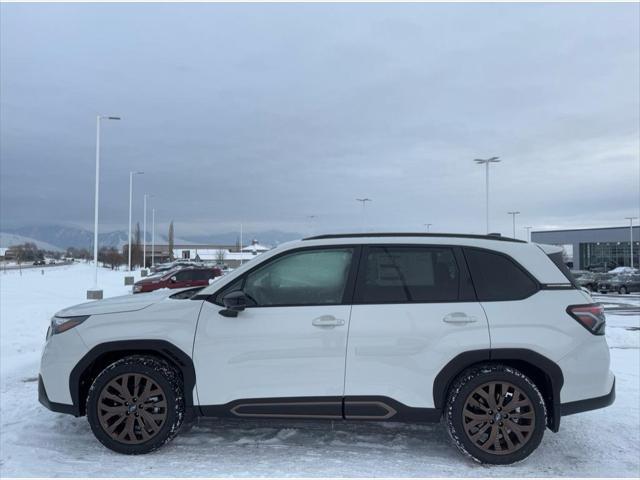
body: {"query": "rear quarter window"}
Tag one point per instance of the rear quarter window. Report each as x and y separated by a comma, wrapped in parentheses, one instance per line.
(496, 277)
(556, 258)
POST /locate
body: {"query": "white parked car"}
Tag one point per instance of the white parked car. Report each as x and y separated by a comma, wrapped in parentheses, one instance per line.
(490, 334)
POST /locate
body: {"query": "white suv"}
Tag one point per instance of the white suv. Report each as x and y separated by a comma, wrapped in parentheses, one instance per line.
(489, 333)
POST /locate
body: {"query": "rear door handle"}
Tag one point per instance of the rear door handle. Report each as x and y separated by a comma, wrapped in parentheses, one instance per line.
(327, 321)
(459, 317)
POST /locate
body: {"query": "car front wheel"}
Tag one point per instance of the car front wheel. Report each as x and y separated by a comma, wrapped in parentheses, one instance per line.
(136, 404)
(495, 414)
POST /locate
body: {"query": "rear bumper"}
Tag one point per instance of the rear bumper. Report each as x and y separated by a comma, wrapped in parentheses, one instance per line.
(53, 406)
(589, 403)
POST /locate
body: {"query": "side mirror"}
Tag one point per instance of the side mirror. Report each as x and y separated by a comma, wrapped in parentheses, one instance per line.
(234, 302)
(173, 279)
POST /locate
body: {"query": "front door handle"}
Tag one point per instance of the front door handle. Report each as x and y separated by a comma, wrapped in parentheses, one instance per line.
(459, 317)
(327, 321)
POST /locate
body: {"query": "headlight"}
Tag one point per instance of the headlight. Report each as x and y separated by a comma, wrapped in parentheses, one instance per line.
(137, 288)
(62, 324)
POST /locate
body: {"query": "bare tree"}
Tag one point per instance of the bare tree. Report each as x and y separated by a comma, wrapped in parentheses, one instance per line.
(220, 256)
(109, 256)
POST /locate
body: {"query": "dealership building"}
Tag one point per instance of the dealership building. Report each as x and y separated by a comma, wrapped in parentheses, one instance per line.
(593, 247)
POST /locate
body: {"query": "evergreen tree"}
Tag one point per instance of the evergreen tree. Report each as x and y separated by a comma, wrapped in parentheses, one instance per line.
(171, 241)
(136, 247)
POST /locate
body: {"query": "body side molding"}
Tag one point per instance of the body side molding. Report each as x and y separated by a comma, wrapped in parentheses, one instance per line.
(329, 408)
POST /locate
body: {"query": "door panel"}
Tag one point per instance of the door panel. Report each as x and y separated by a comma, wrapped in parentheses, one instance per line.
(270, 352)
(396, 350)
(414, 311)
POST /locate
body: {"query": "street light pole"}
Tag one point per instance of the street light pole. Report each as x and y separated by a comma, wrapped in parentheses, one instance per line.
(131, 174)
(363, 201)
(95, 293)
(486, 162)
(631, 219)
(513, 214)
(144, 234)
(240, 244)
(428, 225)
(153, 237)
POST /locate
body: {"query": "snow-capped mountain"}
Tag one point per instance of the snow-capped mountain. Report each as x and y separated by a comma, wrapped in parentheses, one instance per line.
(62, 237)
(9, 239)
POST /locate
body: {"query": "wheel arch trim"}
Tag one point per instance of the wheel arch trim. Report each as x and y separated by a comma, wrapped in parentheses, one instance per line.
(549, 368)
(161, 348)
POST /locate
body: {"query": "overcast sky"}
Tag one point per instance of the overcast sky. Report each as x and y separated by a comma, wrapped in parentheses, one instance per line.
(266, 114)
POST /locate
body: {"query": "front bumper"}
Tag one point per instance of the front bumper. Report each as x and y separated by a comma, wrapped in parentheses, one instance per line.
(589, 403)
(53, 406)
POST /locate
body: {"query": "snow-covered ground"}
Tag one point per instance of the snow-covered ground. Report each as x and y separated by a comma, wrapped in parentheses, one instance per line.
(37, 442)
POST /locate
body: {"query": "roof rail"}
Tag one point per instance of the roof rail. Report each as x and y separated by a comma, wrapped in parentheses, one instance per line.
(491, 236)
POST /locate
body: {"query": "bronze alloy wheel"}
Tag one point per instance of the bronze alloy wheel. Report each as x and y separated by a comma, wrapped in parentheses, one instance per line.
(132, 408)
(498, 417)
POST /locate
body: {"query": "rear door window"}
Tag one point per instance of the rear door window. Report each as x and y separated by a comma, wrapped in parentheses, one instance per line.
(184, 276)
(408, 274)
(496, 277)
(200, 275)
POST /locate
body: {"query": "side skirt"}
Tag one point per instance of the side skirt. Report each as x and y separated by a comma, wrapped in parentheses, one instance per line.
(327, 408)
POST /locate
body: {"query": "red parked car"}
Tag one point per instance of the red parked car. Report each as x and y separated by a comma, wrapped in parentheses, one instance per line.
(178, 278)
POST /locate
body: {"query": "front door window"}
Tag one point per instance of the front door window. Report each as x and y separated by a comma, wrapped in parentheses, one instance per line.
(309, 277)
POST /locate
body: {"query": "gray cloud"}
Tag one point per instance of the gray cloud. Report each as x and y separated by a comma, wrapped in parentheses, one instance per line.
(266, 114)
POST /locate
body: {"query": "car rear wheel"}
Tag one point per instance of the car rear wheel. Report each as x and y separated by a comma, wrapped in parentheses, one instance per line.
(622, 290)
(495, 414)
(136, 404)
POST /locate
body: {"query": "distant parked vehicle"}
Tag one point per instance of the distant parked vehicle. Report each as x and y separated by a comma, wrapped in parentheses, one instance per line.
(578, 273)
(178, 278)
(588, 280)
(620, 283)
(624, 271)
(39, 262)
(602, 267)
(165, 267)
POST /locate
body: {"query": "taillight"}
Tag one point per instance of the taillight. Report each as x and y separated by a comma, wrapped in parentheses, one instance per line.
(590, 316)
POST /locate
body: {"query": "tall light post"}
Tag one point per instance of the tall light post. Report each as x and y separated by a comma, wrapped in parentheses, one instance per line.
(486, 162)
(364, 202)
(144, 234)
(240, 244)
(95, 293)
(153, 237)
(428, 225)
(528, 229)
(131, 174)
(513, 215)
(631, 219)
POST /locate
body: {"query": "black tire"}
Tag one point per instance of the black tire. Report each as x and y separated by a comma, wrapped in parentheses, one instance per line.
(623, 290)
(165, 406)
(463, 394)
